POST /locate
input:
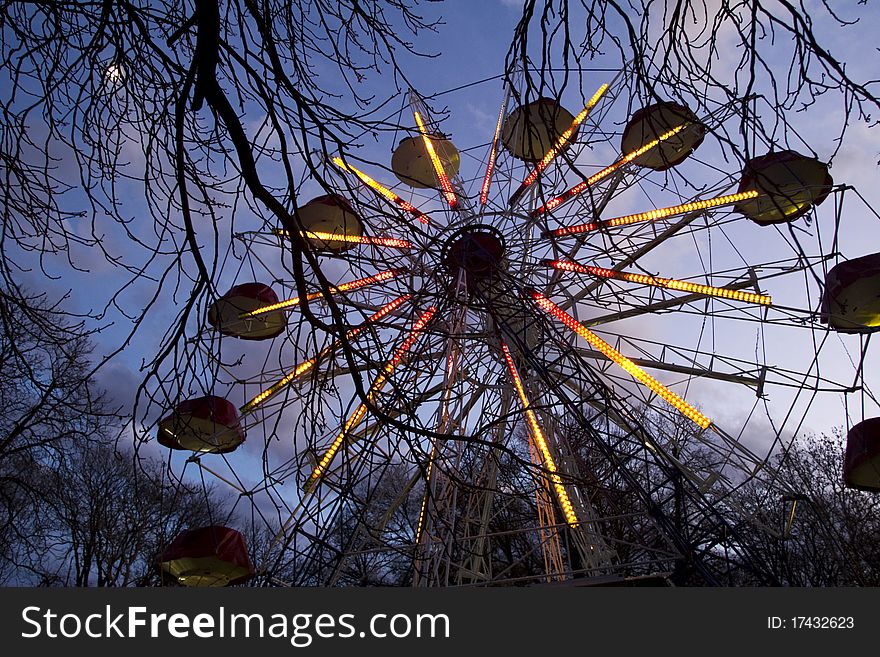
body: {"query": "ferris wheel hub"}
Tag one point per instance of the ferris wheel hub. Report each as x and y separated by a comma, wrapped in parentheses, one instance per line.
(478, 250)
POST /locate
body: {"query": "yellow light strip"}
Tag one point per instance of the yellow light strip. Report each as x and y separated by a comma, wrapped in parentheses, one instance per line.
(451, 198)
(563, 139)
(791, 517)
(596, 177)
(538, 436)
(382, 190)
(374, 390)
(669, 283)
(305, 366)
(357, 239)
(352, 239)
(335, 289)
(658, 213)
(631, 368)
(490, 167)
(424, 508)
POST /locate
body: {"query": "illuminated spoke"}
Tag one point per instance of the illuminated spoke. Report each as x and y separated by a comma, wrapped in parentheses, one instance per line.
(374, 390)
(383, 191)
(604, 173)
(654, 215)
(561, 142)
(307, 365)
(445, 185)
(424, 507)
(391, 242)
(540, 442)
(630, 367)
(493, 153)
(668, 283)
(334, 289)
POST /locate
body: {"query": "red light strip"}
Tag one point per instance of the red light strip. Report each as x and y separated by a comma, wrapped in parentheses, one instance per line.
(541, 443)
(563, 139)
(335, 289)
(656, 281)
(604, 173)
(305, 366)
(654, 215)
(628, 366)
(448, 192)
(374, 390)
(383, 191)
(490, 167)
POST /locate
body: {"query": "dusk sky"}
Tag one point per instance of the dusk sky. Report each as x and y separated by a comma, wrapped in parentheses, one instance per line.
(471, 47)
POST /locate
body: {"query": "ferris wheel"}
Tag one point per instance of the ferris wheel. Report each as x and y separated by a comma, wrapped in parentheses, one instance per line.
(562, 354)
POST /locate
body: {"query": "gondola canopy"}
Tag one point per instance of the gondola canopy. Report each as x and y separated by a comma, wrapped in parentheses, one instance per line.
(789, 185)
(652, 123)
(861, 466)
(412, 164)
(225, 314)
(531, 130)
(207, 556)
(204, 424)
(326, 216)
(851, 300)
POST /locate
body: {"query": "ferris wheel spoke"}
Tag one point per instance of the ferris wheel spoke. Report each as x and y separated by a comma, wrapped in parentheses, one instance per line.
(604, 173)
(493, 150)
(656, 281)
(448, 192)
(631, 449)
(638, 253)
(307, 365)
(741, 278)
(376, 387)
(545, 486)
(367, 433)
(382, 191)
(631, 368)
(375, 279)
(538, 436)
(716, 365)
(654, 215)
(631, 431)
(714, 119)
(321, 236)
(651, 308)
(752, 381)
(595, 551)
(721, 451)
(560, 145)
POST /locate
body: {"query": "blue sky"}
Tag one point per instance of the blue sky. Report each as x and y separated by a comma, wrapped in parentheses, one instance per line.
(472, 45)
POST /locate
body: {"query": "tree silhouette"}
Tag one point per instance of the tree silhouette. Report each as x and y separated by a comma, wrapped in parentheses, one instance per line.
(174, 126)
